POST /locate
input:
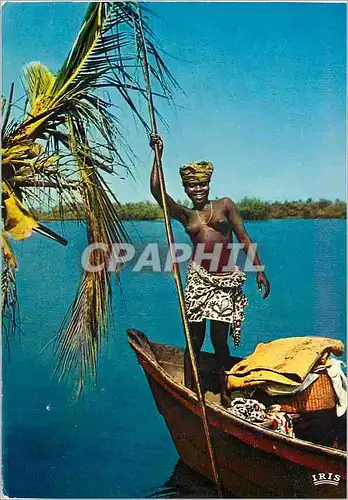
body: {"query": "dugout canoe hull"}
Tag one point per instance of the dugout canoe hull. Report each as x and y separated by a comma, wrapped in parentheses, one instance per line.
(253, 462)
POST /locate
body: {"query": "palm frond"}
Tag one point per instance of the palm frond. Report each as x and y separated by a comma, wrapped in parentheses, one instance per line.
(18, 222)
(69, 137)
(6, 110)
(39, 80)
(9, 299)
(85, 327)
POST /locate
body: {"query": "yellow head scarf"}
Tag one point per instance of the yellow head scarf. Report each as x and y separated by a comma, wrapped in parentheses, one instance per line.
(200, 171)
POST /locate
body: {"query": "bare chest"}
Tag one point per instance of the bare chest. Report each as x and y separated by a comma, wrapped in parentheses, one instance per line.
(210, 224)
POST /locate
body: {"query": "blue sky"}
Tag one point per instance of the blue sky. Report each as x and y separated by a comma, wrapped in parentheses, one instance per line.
(264, 84)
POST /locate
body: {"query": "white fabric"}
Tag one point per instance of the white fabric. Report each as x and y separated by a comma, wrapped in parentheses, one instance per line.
(339, 382)
(274, 389)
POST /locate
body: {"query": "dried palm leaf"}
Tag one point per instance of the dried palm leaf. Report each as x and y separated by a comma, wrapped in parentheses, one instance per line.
(67, 140)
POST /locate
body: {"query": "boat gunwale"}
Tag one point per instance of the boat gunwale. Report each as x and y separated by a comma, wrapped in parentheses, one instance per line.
(220, 410)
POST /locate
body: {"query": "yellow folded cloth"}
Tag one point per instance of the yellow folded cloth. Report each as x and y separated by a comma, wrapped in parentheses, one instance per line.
(257, 377)
(285, 361)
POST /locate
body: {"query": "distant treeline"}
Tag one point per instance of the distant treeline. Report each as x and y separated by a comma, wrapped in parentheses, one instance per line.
(249, 208)
(256, 209)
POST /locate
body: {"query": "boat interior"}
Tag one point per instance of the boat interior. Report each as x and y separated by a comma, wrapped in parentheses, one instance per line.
(321, 426)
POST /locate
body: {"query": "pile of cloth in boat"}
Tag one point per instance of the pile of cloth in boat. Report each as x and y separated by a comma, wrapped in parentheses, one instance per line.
(288, 366)
(256, 412)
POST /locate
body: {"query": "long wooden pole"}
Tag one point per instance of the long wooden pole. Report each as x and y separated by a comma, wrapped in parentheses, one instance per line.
(176, 269)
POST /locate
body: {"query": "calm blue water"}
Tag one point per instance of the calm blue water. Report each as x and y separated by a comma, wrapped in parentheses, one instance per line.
(113, 443)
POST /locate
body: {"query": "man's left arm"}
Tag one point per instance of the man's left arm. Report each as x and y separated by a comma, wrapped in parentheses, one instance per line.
(248, 246)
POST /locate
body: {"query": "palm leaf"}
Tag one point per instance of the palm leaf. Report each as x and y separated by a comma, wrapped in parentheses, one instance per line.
(69, 137)
(83, 332)
(9, 302)
(39, 80)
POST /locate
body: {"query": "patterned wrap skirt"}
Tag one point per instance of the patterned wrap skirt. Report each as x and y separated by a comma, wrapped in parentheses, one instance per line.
(216, 297)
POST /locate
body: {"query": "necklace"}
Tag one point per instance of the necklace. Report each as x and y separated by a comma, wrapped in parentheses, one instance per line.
(205, 223)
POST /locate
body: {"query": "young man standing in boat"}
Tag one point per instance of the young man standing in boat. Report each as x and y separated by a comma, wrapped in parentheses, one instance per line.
(213, 284)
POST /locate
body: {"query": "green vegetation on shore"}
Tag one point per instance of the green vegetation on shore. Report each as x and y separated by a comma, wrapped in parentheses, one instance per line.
(256, 209)
(249, 208)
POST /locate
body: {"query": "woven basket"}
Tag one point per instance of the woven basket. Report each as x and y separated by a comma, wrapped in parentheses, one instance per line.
(320, 395)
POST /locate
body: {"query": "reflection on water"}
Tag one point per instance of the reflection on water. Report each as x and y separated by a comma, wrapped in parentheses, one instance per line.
(186, 483)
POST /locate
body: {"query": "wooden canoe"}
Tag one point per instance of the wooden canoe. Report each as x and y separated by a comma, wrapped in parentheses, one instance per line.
(253, 461)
